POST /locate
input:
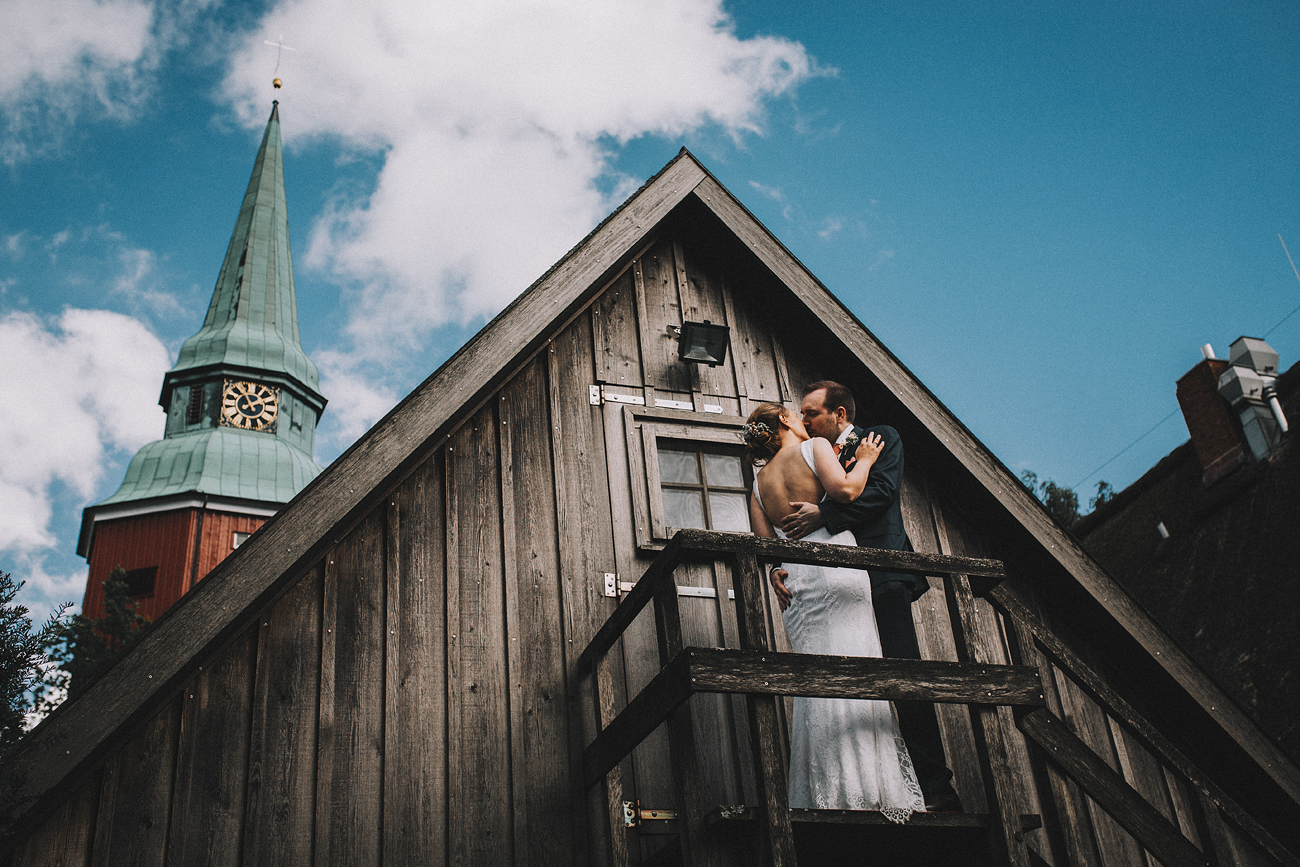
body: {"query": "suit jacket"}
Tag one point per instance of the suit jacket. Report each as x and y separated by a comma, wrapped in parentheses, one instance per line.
(876, 516)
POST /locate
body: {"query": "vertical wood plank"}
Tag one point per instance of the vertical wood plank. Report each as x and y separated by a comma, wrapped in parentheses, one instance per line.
(479, 798)
(415, 756)
(769, 769)
(1140, 771)
(350, 749)
(212, 767)
(614, 333)
(1087, 721)
(701, 298)
(711, 717)
(647, 776)
(1064, 814)
(64, 838)
(584, 545)
(1182, 805)
(663, 310)
(135, 802)
(935, 636)
(281, 795)
(740, 352)
(973, 641)
(684, 753)
(738, 709)
(538, 710)
(645, 340)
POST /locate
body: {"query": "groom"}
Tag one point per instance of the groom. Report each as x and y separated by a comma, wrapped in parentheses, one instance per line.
(876, 519)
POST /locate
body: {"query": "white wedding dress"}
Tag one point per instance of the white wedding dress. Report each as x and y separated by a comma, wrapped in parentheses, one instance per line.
(845, 754)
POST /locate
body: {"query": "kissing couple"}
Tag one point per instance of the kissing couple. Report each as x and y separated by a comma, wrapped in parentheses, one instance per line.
(823, 479)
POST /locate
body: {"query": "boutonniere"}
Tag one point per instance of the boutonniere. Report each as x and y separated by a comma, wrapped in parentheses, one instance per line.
(850, 448)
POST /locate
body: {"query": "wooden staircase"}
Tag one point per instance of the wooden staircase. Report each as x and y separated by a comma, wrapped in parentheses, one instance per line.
(770, 833)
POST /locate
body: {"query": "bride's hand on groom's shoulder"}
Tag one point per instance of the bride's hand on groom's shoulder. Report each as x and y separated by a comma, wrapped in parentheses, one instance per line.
(870, 448)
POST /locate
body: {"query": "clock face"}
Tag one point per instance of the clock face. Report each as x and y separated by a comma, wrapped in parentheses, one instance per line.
(249, 405)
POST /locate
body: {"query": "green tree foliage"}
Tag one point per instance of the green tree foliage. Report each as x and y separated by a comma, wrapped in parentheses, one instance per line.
(87, 646)
(1105, 493)
(23, 660)
(1061, 502)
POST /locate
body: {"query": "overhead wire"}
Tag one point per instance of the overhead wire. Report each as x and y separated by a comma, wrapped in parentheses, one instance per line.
(1175, 410)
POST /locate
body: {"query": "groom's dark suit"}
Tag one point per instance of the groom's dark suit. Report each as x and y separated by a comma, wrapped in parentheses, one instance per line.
(876, 519)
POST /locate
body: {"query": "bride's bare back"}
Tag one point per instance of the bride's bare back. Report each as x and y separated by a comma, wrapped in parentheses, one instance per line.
(785, 479)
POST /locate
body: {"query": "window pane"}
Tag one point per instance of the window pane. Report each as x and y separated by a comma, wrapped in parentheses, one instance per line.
(680, 467)
(729, 512)
(723, 471)
(683, 509)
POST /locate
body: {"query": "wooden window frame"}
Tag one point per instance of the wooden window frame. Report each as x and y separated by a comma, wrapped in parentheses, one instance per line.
(645, 427)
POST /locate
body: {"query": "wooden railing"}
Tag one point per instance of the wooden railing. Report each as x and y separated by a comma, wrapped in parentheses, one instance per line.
(978, 679)
(763, 675)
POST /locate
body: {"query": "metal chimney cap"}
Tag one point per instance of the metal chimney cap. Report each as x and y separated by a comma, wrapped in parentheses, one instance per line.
(1254, 353)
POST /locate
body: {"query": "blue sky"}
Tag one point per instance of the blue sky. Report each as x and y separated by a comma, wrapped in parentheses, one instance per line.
(1042, 209)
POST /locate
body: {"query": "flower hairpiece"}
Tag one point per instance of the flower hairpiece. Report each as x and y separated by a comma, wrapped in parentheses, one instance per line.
(752, 429)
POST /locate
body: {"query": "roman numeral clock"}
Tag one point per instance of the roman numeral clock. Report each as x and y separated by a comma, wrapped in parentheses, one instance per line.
(249, 405)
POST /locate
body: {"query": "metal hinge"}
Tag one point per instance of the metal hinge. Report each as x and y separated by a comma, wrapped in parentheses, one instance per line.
(633, 815)
(614, 587)
(598, 395)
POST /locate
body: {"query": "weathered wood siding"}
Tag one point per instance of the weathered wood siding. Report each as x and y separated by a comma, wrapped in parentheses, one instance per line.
(410, 698)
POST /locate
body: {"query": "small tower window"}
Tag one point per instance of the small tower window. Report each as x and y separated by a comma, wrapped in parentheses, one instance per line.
(240, 538)
(194, 413)
(140, 582)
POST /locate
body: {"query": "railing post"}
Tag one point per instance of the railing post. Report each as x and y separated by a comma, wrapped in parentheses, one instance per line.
(990, 744)
(602, 687)
(682, 752)
(769, 768)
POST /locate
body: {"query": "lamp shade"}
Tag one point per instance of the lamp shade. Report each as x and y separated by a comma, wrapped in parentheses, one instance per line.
(703, 343)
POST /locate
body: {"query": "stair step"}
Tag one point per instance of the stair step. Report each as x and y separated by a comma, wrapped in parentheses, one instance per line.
(741, 813)
(848, 837)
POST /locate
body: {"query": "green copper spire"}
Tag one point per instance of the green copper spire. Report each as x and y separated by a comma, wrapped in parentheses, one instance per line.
(253, 318)
(242, 401)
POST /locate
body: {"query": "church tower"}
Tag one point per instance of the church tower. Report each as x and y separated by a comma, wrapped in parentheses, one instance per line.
(242, 405)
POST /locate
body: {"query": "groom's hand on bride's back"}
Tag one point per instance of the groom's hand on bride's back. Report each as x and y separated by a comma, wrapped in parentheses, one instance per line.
(805, 518)
(783, 594)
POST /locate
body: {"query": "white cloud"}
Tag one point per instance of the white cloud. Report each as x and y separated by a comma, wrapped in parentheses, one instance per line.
(356, 401)
(64, 57)
(830, 226)
(75, 388)
(493, 119)
(882, 256)
(139, 285)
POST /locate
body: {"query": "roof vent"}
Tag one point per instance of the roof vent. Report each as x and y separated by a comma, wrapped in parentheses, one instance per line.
(1247, 384)
(1253, 353)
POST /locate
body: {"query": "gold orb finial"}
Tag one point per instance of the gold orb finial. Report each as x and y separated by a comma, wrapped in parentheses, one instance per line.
(277, 84)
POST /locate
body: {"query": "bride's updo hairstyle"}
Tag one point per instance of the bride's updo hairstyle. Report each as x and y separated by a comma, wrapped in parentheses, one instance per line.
(762, 433)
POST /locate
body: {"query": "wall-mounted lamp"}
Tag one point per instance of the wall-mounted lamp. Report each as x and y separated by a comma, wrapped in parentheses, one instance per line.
(702, 342)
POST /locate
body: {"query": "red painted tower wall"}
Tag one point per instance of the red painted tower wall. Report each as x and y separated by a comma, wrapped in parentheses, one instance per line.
(164, 540)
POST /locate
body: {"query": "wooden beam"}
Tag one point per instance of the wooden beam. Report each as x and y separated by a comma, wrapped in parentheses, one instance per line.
(1105, 786)
(643, 714)
(770, 773)
(629, 607)
(816, 676)
(285, 548)
(711, 543)
(1019, 503)
(1119, 708)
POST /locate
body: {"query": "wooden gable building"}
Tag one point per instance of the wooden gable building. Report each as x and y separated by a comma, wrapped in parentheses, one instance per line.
(430, 656)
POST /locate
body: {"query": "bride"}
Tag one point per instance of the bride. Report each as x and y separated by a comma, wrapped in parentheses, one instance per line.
(845, 754)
